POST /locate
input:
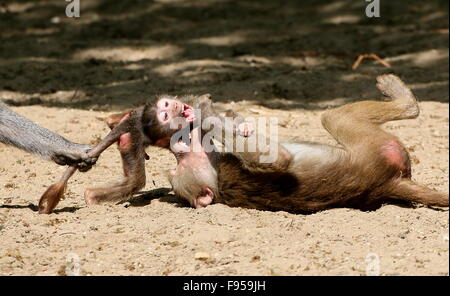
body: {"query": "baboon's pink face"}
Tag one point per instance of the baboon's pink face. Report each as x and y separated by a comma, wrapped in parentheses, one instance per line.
(167, 109)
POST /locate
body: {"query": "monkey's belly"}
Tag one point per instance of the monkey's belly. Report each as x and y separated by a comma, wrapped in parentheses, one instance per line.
(308, 151)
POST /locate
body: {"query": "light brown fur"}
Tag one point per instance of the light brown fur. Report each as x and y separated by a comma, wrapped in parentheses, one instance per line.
(373, 166)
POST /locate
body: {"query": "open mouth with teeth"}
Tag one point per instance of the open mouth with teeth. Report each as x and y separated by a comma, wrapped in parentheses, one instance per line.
(188, 113)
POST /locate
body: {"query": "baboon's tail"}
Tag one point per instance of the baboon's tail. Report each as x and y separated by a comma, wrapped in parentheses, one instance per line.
(405, 189)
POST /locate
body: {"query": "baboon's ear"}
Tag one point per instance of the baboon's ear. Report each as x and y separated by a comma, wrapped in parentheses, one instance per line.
(205, 198)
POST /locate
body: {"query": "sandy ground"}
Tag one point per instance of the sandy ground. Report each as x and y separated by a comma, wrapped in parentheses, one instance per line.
(261, 58)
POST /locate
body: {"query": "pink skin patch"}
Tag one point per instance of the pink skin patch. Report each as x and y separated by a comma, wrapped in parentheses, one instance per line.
(125, 139)
(394, 154)
(125, 142)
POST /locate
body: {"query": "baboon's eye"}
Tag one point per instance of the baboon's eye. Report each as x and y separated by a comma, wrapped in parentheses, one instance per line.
(166, 104)
(166, 115)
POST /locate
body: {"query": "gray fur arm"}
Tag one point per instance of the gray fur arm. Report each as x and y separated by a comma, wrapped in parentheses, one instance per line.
(23, 133)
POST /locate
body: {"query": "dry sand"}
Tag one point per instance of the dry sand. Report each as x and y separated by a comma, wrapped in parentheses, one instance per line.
(260, 58)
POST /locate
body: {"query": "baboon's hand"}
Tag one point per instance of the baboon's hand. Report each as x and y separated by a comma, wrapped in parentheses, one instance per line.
(77, 154)
(87, 161)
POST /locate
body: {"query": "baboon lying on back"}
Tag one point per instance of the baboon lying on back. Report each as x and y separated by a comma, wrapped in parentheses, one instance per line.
(373, 166)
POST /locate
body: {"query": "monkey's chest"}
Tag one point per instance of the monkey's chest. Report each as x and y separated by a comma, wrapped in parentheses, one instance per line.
(194, 160)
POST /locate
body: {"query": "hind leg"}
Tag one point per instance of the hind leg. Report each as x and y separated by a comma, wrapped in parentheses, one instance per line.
(356, 126)
(132, 153)
(115, 119)
(367, 115)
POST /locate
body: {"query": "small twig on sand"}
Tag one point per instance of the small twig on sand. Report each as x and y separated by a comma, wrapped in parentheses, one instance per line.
(440, 31)
(64, 233)
(361, 57)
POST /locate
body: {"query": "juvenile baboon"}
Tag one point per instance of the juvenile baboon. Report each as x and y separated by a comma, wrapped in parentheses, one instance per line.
(134, 130)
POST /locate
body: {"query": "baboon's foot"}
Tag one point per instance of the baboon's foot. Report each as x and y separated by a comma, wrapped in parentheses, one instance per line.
(90, 198)
(393, 87)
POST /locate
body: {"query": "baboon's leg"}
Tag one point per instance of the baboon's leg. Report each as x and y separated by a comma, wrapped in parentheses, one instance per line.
(356, 126)
(114, 119)
(132, 153)
(352, 123)
(130, 121)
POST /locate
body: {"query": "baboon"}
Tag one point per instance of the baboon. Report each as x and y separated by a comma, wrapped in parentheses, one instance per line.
(372, 166)
(134, 130)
